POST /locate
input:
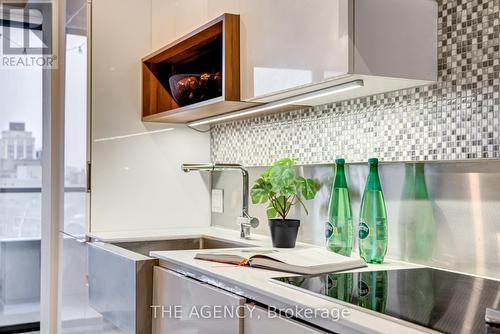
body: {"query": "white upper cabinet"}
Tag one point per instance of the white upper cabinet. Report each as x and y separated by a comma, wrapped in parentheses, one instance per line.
(290, 47)
(291, 43)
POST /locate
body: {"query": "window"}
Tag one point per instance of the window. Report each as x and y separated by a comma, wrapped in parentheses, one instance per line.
(75, 154)
(20, 192)
(10, 152)
(20, 187)
(20, 152)
(29, 152)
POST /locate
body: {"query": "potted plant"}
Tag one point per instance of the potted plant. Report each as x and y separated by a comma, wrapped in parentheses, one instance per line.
(282, 188)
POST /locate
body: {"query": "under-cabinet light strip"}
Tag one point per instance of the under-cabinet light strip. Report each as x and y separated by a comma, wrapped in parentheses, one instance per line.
(282, 103)
(132, 135)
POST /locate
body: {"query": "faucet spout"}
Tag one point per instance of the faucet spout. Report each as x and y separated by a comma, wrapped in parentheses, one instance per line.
(244, 210)
(191, 167)
(246, 221)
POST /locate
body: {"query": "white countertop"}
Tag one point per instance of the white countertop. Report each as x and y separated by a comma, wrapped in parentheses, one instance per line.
(255, 283)
(178, 233)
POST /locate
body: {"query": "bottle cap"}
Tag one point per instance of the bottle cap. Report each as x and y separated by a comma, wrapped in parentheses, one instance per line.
(373, 161)
(340, 161)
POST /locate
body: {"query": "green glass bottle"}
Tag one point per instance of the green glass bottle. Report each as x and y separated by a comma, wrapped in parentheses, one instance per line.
(339, 235)
(373, 219)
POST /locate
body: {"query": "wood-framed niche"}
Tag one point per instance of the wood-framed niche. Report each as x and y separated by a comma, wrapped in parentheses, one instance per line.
(213, 47)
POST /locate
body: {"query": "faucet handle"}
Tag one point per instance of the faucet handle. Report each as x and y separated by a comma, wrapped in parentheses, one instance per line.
(248, 221)
(245, 224)
(254, 222)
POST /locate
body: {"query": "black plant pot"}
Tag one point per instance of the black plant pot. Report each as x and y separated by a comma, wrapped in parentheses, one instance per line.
(284, 232)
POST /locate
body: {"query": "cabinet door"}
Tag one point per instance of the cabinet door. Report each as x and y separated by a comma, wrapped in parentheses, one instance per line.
(259, 320)
(184, 305)
(291, 43)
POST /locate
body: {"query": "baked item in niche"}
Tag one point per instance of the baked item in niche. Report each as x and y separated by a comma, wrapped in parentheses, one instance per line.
(187, 89)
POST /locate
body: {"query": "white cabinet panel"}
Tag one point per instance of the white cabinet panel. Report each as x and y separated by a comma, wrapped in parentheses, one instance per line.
(183, 305)
(259, 320)
(121, 36)
(290, 43)
(172, 19)
(413, 42)
(137, 182)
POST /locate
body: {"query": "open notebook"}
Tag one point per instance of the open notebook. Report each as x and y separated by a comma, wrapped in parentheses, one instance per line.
(307, 261)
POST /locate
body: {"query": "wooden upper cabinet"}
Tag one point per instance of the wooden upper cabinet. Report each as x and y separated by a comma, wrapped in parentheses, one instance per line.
(195, 76)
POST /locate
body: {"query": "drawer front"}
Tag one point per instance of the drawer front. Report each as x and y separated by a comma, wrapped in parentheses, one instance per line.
(258, 320)
(184, 305)
(120, 286)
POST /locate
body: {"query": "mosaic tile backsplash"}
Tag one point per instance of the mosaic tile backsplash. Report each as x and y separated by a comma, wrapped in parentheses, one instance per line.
(457, 118)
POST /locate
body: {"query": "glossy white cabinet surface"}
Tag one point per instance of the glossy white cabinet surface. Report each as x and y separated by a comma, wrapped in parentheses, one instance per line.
(284, 43)
(289, 47)
(259, 320)
(137, 182)
(184, 305)
(289, 43)
(413, 44)
(173, 19)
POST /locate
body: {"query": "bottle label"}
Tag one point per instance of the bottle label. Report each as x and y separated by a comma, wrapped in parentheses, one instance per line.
(328, 230)
(380, 230)
(381, 227)
(364, 230)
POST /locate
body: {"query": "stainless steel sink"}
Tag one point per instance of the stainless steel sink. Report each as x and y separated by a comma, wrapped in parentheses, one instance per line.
(145, 247)
(121, 277)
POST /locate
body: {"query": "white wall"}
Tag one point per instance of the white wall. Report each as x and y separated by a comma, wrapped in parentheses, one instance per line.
(137, 182)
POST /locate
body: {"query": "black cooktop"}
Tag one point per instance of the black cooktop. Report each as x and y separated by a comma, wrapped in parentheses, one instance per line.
(435, 299)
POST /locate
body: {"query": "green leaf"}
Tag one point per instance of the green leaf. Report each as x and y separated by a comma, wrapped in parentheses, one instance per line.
(260, 191)
(308, 188)
(282, 179)
(259, 195)
(266, 173)
(271, 211)
(288, 162)
(281, 186)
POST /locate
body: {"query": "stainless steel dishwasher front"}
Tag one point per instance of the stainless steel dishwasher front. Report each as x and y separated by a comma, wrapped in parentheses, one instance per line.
(120, 286)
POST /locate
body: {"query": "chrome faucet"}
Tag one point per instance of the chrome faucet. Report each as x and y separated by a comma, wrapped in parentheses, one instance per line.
(245, 220)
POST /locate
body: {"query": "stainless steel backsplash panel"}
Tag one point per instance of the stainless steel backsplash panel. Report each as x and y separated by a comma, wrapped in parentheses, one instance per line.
(461, 213)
